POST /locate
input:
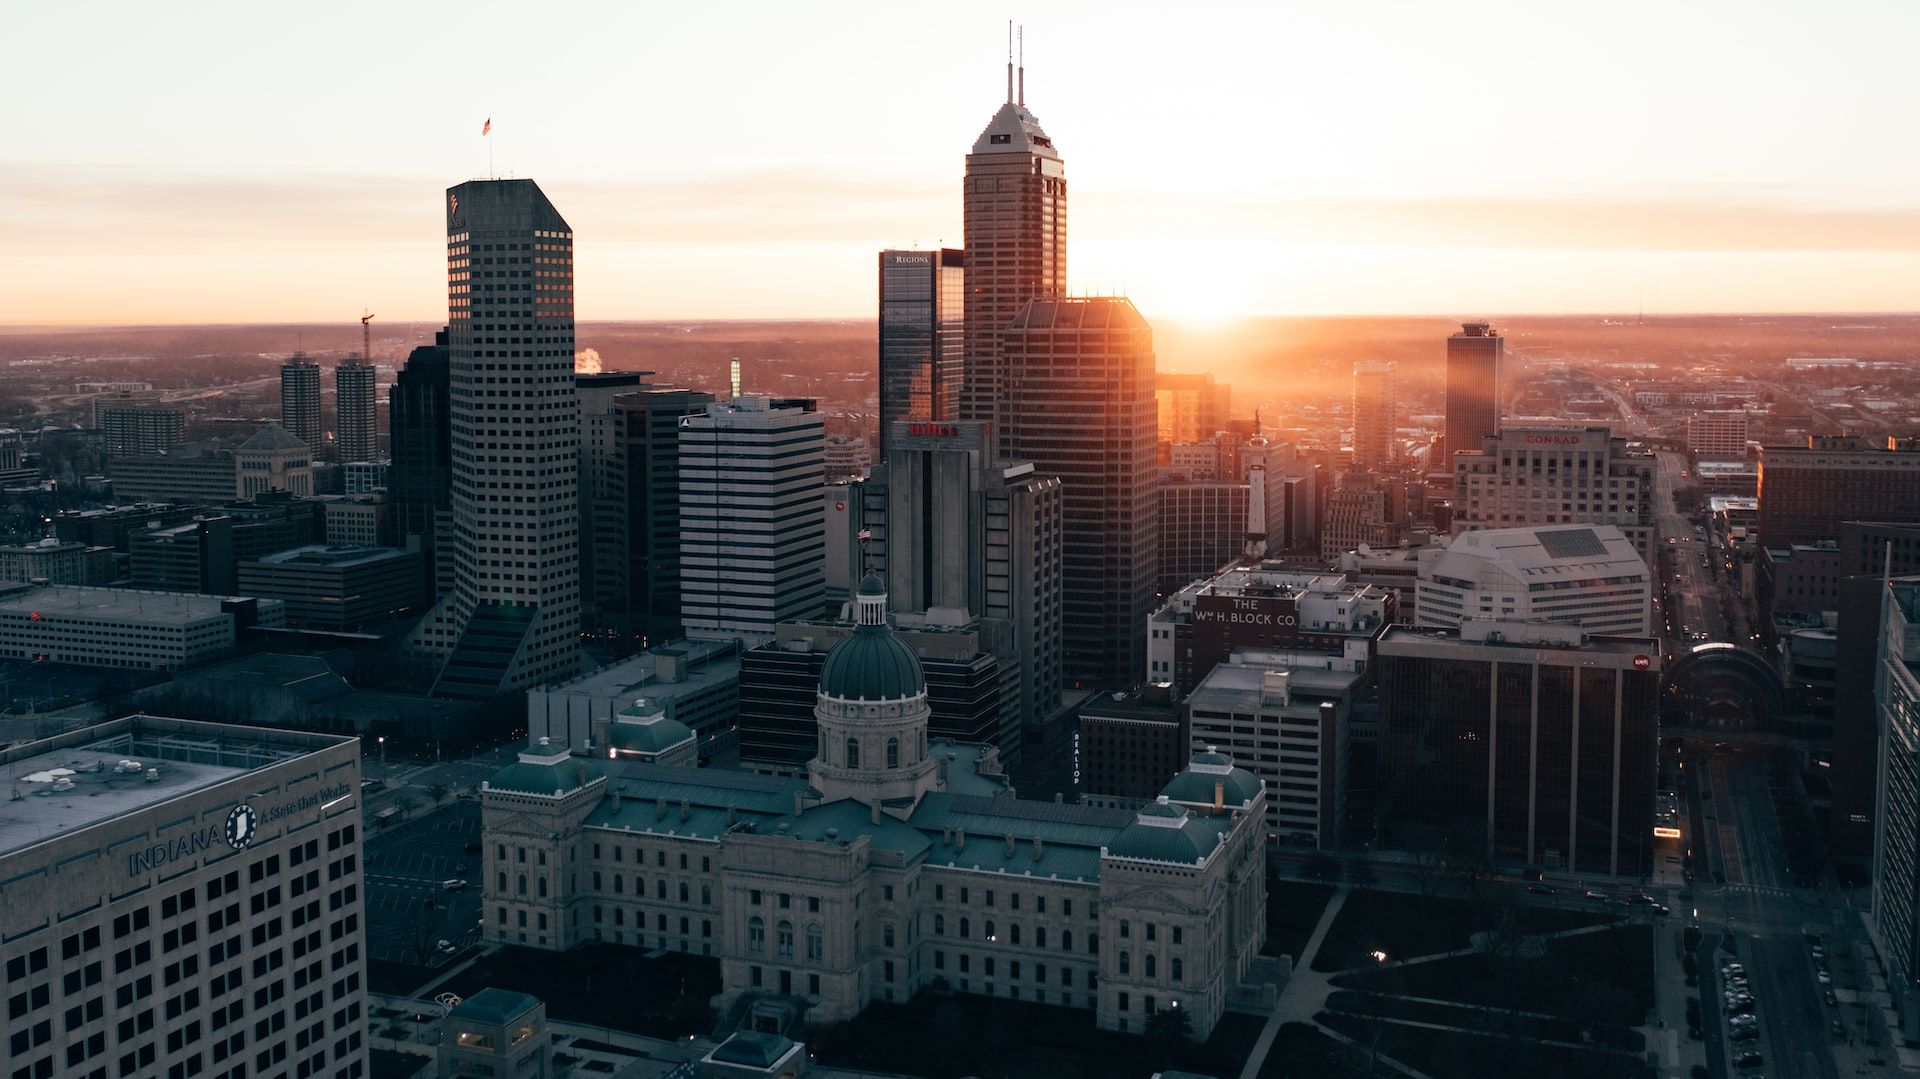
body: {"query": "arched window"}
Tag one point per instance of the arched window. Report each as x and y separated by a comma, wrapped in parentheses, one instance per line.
(683, 891)
(784, 940)
(503, 883)
(1151, 964)
(706, 895)
(886, 935)
(893, 752)
(1093, 944)
(1013, 928)
(814, 946)
(1174, 963)
(540, 886)
(756, 935)
(523, 884)
(660, 888)
(939, 925)
(1039, 936)
(596, 880)
(853, 753)
(1126, 963)
(966, 929)
(990, 933)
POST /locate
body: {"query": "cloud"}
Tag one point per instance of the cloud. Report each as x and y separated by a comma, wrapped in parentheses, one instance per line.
(586, 362)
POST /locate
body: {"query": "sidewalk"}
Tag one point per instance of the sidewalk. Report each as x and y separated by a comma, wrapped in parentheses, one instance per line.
(1304, 992)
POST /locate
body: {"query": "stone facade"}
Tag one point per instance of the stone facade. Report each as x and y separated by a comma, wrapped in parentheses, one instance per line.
(878, 876)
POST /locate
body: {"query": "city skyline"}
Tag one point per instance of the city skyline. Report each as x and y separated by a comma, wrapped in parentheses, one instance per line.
(1648, 163)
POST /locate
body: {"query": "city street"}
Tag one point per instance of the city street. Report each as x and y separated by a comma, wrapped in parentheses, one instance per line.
(410, 909)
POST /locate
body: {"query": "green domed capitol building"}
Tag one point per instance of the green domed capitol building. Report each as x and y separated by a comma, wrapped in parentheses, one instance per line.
(896, 864)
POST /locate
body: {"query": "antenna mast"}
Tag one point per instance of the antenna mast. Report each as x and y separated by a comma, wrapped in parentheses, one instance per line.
(1023, 65)
(1009, 61)
(366, 337)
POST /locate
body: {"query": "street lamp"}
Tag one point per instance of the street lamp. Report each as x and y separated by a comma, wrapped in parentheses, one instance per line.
(383, 757)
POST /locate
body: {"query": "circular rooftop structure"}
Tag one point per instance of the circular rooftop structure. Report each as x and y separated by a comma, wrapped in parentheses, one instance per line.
(873, 664)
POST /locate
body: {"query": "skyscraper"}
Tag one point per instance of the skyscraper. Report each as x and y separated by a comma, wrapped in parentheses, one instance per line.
(1373, 413)
(512, 617)
(300, 401)
(146, 429)
(1080, 405)
(650, 434)
(1015, 209)
(922, 297)
(356, 417)
(421, 439)
(752, 538)
(603, 495)
(1475, 356)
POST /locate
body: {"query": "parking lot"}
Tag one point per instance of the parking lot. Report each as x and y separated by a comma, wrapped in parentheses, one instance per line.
(410, 908)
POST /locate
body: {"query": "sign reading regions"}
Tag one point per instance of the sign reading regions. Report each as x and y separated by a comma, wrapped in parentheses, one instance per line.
(242, 823)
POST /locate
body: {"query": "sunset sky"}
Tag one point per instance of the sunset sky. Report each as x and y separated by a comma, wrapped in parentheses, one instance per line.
(234, 162)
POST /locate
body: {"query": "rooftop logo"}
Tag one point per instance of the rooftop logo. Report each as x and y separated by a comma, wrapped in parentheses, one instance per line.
(921, 429)
(1554, 440)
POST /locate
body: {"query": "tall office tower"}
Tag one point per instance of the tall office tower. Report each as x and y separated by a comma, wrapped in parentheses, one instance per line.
(752, 539)
(420, 437)
(1806, 491)
(300, 401)
(142, 430)
(1193, 407)
(512, 618)
(107, 865)
(650, 434)
(1872, 553)
(1475, 357)
(1555, 476)
(603, 487)
(922, 297)
(1203, 527)
(1015, 208)
(1080, 406)
(1532, 743)
(1373, 413)
(1895, 926)
(955, 529)
(356, 415)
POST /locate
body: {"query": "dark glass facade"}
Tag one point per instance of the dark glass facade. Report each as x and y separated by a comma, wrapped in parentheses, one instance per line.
(420, 433)
(1475, 357)
(1532, 756)
(922, 308)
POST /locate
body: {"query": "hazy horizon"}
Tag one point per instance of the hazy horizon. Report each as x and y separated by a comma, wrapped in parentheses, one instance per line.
(1274, 160)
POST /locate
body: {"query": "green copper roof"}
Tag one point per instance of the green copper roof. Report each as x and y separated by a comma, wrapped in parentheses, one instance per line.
(543, 773)
(641, 729)
(753, 1049)
(1162, 832)
(872, 665)
(1196, 783)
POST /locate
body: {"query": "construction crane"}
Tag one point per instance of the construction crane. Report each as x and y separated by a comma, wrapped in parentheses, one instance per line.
(366, 337)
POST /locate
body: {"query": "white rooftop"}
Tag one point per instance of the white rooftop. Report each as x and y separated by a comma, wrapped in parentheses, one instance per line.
(1547, 552)
(53, 791)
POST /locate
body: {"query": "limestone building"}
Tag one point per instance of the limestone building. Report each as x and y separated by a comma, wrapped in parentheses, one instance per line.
(897, 863)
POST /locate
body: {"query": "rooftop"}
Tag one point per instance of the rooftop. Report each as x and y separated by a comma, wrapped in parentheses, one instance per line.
(1557, 552)
(494, 1006)
(1079, 313)
(1239, 685)
(1547, 632)
(702, 662)
(121, 604)
(321, 554)
(96, 774)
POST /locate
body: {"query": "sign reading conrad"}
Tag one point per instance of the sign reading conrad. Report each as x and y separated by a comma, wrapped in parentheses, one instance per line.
(236, 830)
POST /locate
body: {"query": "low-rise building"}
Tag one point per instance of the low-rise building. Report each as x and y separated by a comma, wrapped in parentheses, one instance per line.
(1288, 723)
(113, 627)
(897, 864)
(696, 682)
(1267, 605)
(337, 587)
(1585, 575)
(1129, 745)
(1524, 743)
(51, 561)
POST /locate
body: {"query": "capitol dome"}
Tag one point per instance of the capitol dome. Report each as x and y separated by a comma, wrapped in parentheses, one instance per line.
(872, 664)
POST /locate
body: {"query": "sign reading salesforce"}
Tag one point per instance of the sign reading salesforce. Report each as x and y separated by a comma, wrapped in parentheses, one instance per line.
(242, 824)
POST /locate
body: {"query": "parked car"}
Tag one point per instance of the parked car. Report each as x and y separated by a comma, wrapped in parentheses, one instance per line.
(445, 947)
(1839, 1029)
(453, 884)
(1744, 1034)
(1748, 1059)
(1832, 1001)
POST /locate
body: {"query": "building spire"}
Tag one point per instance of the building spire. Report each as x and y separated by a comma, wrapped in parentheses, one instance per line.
(1009, 61)
(1023, 67)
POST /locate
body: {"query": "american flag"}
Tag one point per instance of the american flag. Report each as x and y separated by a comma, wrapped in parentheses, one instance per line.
(866, 534)
(486, 127)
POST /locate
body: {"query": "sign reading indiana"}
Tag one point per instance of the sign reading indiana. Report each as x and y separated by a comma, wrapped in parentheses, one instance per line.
(237, 831)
